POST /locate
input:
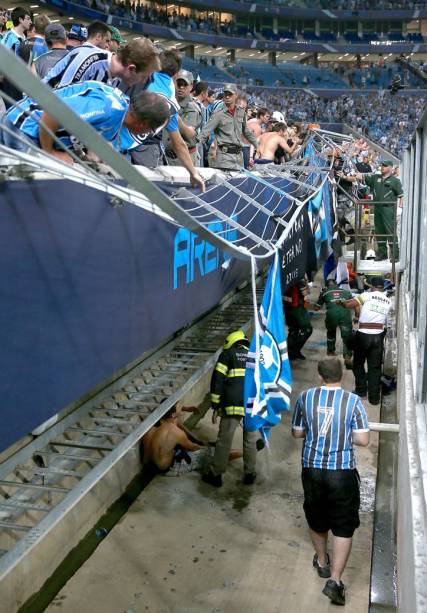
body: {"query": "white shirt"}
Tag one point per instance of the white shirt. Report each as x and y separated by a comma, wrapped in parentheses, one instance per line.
(375, 308)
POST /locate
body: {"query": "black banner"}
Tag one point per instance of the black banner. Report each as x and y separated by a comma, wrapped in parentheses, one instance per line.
(298, 255)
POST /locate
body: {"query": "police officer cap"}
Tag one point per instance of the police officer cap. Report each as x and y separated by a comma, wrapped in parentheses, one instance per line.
(185, 75)
(77, 32)
(387, 163)
(377, 282)
(230, 87)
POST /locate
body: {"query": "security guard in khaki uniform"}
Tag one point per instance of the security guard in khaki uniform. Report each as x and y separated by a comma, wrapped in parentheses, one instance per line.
(191, 116)
(227, 401)
(385, 188)
(228, 123)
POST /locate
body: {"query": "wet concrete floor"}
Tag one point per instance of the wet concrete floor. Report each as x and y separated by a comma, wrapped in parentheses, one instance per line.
(185, 547)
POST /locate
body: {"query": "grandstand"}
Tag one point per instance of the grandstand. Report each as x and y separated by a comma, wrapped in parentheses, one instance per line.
(87, 242)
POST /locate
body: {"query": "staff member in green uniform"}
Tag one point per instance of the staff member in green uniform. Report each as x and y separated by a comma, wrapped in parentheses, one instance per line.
(337, 316)
(385, 188)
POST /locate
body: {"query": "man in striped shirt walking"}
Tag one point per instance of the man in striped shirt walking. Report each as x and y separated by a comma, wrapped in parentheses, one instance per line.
(330, 420)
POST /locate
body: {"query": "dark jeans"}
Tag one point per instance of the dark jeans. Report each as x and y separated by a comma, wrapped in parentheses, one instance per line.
(369, 348)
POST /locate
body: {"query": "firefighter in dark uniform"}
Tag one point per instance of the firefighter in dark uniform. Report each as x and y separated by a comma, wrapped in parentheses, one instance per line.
(337, 316)
(228, 123)
(227, 401)
(191, 116)
(298, 319)
(385, 188)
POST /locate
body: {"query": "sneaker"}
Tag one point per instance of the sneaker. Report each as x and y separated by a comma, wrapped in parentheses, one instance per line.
(374, 401)
(322, 571)
(335, 591)
(249, 478)
(215, 480)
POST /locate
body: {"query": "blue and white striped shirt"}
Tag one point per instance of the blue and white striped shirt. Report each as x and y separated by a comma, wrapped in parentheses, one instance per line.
(85, 63)
(329, 416)
(99, 105)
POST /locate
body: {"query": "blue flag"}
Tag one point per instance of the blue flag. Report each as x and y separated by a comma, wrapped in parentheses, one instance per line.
(268, 378)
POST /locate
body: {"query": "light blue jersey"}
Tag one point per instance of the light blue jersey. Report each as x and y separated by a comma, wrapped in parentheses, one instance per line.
(101, 106)
(85, 63)
(329, 416)
(163, 85)
(12, 41)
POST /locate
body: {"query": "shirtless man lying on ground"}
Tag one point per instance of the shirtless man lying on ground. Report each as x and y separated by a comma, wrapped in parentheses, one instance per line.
(269, 142)
(169, 448)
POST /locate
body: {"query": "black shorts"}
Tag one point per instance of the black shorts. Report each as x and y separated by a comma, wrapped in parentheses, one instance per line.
(331, 500)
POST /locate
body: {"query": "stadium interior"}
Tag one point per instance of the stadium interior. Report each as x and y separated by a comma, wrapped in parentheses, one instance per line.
(339, 87)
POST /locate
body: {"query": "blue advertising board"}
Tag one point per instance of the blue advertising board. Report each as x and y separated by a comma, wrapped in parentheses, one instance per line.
(85, 289)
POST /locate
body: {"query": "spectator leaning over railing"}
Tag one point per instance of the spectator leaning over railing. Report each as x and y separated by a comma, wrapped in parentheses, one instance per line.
(133, 63)
(105, 108)
(150, 152)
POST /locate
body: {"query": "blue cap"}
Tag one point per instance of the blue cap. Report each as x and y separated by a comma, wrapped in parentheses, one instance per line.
(78, 32)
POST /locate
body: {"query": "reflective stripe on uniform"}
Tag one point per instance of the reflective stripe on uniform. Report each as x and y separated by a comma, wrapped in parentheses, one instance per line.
(215, 398)
(222, 368)
(236, 372)
(232, 410)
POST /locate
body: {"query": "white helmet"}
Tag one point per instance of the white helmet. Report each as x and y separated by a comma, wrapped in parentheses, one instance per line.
(278, 116)
(370, 254)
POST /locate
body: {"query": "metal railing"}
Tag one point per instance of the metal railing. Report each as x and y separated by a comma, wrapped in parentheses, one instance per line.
(412, 381)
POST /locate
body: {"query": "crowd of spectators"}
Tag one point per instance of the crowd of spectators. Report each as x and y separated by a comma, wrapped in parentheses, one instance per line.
(386, 118)
(389, 120)
(350, 5)
(214, 23)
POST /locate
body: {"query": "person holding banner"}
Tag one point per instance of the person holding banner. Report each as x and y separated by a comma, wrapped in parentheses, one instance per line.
(227, 386)
(330, 420)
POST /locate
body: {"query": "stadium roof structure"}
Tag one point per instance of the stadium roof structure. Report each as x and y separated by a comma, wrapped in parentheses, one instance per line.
(248, 46)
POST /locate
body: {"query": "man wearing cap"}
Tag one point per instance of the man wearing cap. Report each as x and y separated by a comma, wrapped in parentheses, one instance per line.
(189, 119)
(368, 346)
(117, 39)
(56, 39)
(385, 189)
(228, 123)
(76, 36)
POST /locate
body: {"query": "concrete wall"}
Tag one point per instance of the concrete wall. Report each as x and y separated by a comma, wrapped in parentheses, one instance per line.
(412, 478)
